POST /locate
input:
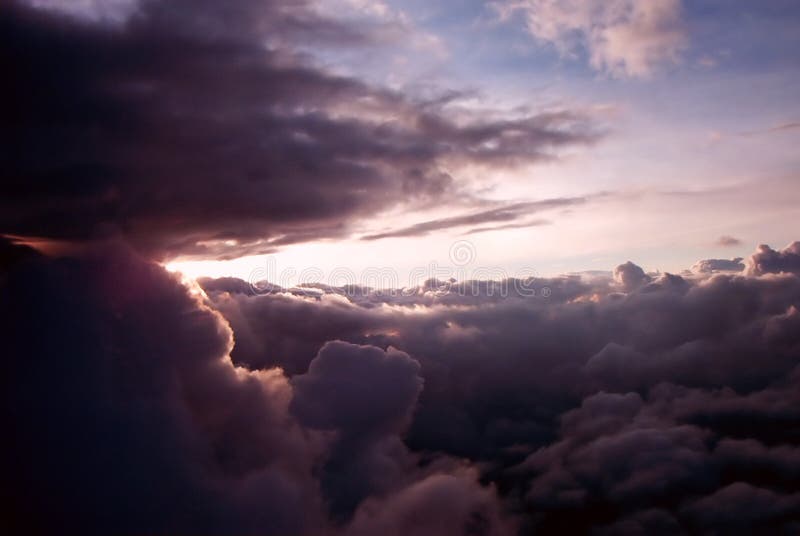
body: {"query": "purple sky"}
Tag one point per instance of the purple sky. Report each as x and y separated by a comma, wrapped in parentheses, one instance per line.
(674, 124)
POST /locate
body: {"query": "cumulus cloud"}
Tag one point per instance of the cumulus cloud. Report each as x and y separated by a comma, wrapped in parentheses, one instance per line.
(133, 418)
(366, 396)
(636, 403)
(741, 506)
(616, 404)
(620, 37)
(437, 504)
(629, 276)
(767, 260)
(359, 388)
(718, 265)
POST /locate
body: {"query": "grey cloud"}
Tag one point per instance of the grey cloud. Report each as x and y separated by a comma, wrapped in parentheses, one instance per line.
(521, 225)
(727, 240)
(441, 503)
(601, 409)
(590, 408)
(184, 133)
(742, 507)
(629, 276)
(767, 260)
(652, 521)
(130, 418)
(509, 212)
(357, 388)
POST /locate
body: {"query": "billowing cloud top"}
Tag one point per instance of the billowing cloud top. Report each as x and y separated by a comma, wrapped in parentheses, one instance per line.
(630, 404)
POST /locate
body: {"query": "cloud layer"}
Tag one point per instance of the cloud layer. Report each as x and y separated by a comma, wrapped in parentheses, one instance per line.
(624, 404)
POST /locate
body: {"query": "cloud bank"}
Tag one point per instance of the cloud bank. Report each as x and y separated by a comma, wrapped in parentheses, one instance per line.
(624, 404)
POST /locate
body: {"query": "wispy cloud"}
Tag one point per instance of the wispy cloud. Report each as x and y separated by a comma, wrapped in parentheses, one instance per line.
(521, 225)
(505, 213)
(621, 37)
(781, 127)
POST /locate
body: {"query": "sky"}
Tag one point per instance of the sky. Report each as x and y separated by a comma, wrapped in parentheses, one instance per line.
(637, 114)
(693, 132)
(352, 267)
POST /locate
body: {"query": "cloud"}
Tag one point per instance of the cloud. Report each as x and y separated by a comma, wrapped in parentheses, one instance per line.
(726, 240)
(779, 464)
(130, 418)
(634, 402)
(718, 265)
(741, 506)
(653, 521)
(629, 276)
(621, 37)
(105, 10)
(778, 128)
(130, 414)
(366, 395)
(139, 404)
(198, 129)
(615, 403)
(521, 225)
(766, 260)
(509, 212)
(357, 388)
(453, 504)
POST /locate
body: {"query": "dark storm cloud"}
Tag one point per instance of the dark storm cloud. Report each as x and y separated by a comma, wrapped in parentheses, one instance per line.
(197, 128)
(741, 507)
(128, 417)
(511, 212)
(442, 503)
(361, 389)
(366, 395)
(633, 403)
